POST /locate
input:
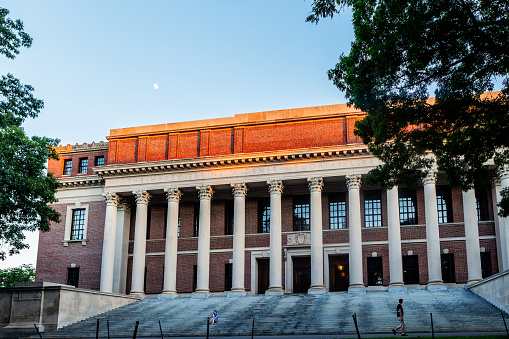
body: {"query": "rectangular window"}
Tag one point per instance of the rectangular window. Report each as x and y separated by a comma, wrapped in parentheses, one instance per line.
(73, 276)
(227, 277)
(407, 206)
(196, 219)
(263, 215)
(410, 269)
(78, 224)
(373, 208)
(67, 167)
(375, 271)
(448, 270)
(301, 213)
(481, 202)
(195, 277)
(337, 211)
(486, 264)
(444, 204)
(99, 161)
(228, 217)
(83, 166)
(149, 219)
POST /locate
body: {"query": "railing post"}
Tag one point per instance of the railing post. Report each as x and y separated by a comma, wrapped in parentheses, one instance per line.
(97, 330)
(432, 329)
(354, 316)
(136, 329)
(39, 333)
(161, 329)
(108, 326)
(506, 331)
(208, 324)
(252, 330)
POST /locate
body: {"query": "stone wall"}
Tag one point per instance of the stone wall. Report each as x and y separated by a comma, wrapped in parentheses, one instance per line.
(494, 289)
(52, 306)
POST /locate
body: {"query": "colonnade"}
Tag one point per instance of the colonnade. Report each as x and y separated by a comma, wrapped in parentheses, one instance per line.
(275, 188)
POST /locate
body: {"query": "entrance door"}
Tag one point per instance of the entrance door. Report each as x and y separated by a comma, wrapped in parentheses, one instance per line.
(338, 273)
(263, 275)
(301, 274)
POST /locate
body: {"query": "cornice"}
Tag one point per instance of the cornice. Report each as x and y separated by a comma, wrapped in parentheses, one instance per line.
(80, 181)
(230, 160)
(85, 147)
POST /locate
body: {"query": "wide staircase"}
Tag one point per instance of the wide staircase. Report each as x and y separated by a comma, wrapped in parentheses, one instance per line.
(454, 310)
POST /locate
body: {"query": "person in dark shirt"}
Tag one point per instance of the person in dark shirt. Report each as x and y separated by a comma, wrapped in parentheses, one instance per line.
(399, 313)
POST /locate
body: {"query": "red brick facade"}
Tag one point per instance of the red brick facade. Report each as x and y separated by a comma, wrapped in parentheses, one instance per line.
(126, 147)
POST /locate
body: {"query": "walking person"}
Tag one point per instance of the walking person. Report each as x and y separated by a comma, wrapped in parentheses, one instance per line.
(215, 318)
(399, 312)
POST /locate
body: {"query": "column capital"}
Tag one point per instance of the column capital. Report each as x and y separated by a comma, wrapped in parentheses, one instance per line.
(503, 172)
(142, 197)
(173, 194)
(239, 189)
(315, 184)
(353, 181)
(112, 199)
(430, 178)
(275, 186)
(205, 192)
(124, 206)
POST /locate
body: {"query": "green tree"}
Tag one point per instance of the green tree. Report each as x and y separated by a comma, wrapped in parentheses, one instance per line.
(25, 189)
(10, 276)
(404, 49)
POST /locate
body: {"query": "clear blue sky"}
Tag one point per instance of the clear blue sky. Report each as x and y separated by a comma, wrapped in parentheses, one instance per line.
(95, 63)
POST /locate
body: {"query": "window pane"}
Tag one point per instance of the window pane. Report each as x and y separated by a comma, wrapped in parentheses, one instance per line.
(196, 218)
(78, 224)
(444, 204)
(373, 208)
(228, 217)
(263, 215)
(301, 213)
(99, 161)
(83, 166)
(67, 167)
(407, 207)
(337, 211)
(481, 202)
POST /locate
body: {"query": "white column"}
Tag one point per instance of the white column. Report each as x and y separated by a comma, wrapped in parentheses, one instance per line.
(205, 193)
(432, 236)
(472, 237)
(121, 248)
(504, 222)
(275, 189)
(140, 242)
(353, 183)
(173, 195)
(315, 188)
(239, 241)
(499, 226)
(395, 260)
(108, 254)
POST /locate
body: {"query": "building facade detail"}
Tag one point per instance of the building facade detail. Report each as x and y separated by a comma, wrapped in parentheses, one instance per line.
(266, 203)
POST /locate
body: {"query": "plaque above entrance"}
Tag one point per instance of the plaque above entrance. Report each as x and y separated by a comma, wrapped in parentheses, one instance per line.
(298, 239)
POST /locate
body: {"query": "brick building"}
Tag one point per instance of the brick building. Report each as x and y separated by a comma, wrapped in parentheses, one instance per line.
(270, 202)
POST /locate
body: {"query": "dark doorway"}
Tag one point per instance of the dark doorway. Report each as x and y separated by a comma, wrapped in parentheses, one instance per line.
(448, 274)
(410, 269)
(338, 273)
(301, 274)
(375, 271)
(263, 275)
(228, 277)
(486, 264)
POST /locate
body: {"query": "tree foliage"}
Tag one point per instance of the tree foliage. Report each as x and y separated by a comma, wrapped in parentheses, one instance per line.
(404, 49)
(25, 189)
(10, 276)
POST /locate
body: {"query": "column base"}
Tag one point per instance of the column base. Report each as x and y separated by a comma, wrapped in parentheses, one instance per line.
(357, 289)
(436, 286)
(317, 289)
(275, 290)
(236, 294)
(472, 281)
(137, 293)
(201, 294)
(168, 295)
(397, 287)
